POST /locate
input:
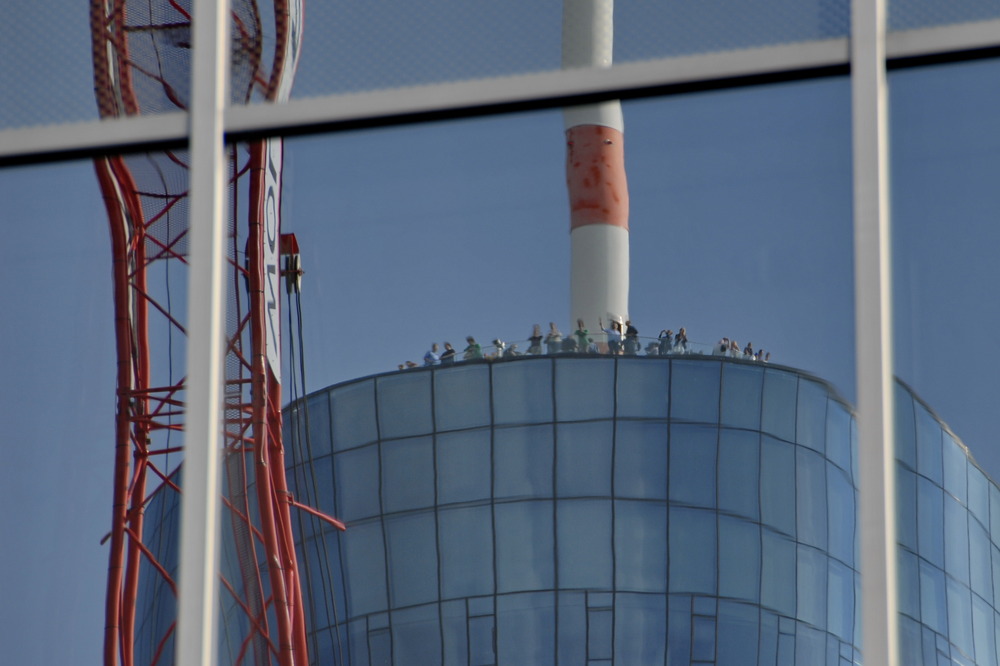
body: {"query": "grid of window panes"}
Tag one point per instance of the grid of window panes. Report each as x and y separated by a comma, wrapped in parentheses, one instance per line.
(592, 510)
(949, 558)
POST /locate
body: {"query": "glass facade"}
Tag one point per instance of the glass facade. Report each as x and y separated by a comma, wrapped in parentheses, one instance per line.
(567, 510)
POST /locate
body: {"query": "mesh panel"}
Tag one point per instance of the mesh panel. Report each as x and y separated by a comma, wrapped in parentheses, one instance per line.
(910, 14)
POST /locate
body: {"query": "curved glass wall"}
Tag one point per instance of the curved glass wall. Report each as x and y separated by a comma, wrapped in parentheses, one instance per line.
(949, 534)
(559, 510)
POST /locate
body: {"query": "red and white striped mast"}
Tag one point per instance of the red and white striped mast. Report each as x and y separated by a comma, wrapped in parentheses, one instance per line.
(595, 174)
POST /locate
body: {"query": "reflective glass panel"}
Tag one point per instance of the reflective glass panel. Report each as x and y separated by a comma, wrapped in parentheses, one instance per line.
(583, 459)
(930, 523)
(524, 546)
(526, 628)
(777, 495)
(463, 466)
(584, 389)
(739, 472)
(640, 546)
(811, 586)
(522, 392)
(693, 452)
(738, 634)
(956, 539)
(696, 397)
(411, 549)
(692, 551)
(407, 474)
(353, 416)
(364, 569)
(357, 479)
(811, 415)
(465, 537)
(955, 464)
(461, 397)
(739, 559)
(642, 389)
(811, 498)
(404, 404)
(641, 460)
(841, 515)
(741, 396)
(778, 417)
(523, 462)
(639, 622)
(777, 588)
(584, 543)
(416, 636)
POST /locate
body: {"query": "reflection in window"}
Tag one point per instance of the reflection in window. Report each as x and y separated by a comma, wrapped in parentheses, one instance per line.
(842, 514)
(524, 546)
(811, 587)
(639, 622)
(522, 392)
(641, 460)
(407, 474)
(739, 465)
(777, 493)
(930, 510)
(599, 633)
(741, 396)
(906, 434)
(739, 559)
(412, 552)
(455, 640)
(979, 495)
(642, 388)
(404, 404)
(583, 389)
(640, 546)
(466, 546)
(778, 417)
(354, 415)
(811, 415)
(523, 461)
(955, 463)
(960, 616)
(583, 459)
(357, 478)
(983, 632)
(692, 464)
(463, 466)
(460, 397)
(526, 628)
(692, 551)
(364, 569)
(703, 638)
(840, 601)
(928, 444)
(738, 634)
(906, 507)
(583, 533)
(416, 636)
(979, 561)
(777, 587)
(956, 539)
(810, 487)
(696, 397)
(933, 604)
(838, 435)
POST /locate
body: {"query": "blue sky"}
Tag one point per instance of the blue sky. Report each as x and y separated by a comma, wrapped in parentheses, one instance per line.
(740, 226)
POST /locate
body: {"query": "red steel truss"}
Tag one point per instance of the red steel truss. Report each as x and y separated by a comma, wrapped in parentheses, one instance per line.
(141, 54)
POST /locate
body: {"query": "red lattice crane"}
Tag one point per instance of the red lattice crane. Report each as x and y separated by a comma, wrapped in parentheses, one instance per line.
(142, 62)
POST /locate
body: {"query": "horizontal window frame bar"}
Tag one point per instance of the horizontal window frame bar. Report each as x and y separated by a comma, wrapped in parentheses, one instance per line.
(543, 90)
